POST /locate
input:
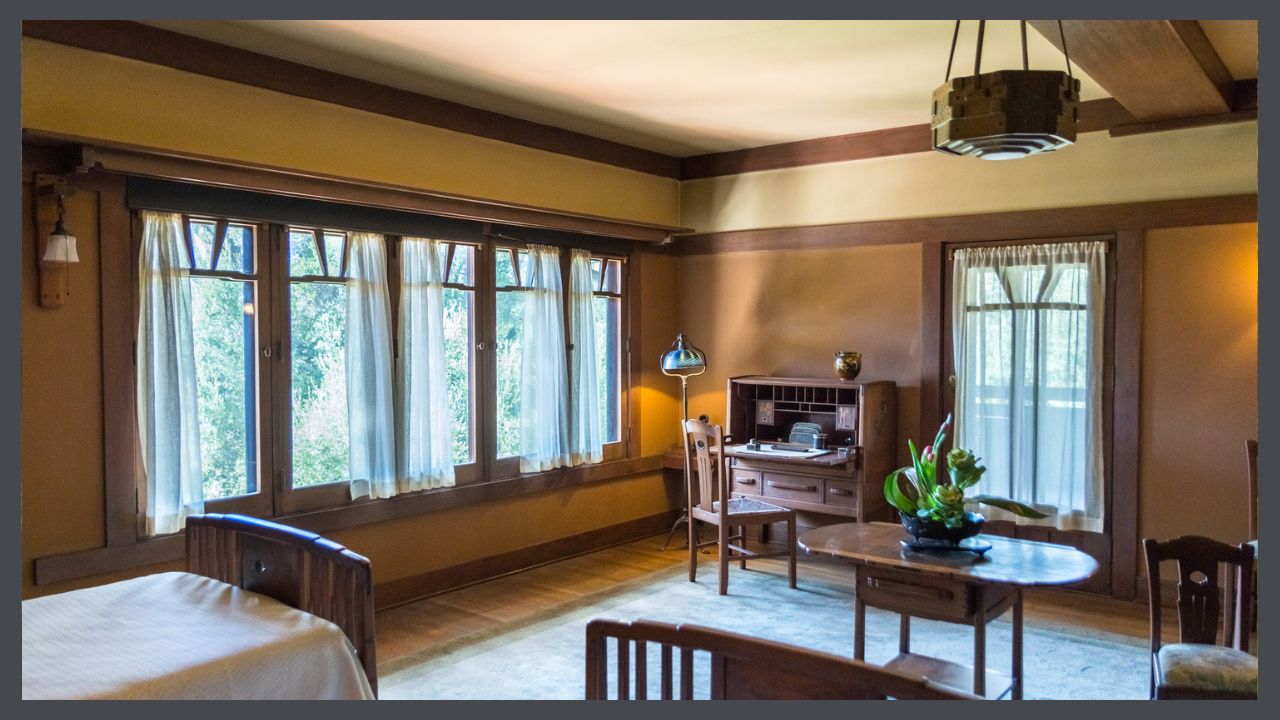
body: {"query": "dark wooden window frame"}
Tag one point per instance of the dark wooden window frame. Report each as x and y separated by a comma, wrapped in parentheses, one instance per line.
(1122, 368)
(125, 545)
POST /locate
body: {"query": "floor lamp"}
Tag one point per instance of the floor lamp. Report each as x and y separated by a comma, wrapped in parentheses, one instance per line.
(684, 361)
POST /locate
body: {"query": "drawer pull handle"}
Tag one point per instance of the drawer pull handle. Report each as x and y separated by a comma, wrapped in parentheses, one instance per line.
(908, 589)
(745, 481)
(799, 488)
(840, 491)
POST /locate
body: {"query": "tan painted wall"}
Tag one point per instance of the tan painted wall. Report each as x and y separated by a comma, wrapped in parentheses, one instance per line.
(1199, 380)
(1099, 169)
(82, 93)
(786, 313)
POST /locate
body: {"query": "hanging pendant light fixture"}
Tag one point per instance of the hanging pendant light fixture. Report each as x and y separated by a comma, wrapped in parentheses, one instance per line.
(1005, 114)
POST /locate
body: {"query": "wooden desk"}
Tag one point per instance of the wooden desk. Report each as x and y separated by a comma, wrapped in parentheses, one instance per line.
(957, 587)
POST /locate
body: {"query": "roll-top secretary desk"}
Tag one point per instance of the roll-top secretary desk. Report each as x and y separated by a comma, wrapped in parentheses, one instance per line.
(859, 420)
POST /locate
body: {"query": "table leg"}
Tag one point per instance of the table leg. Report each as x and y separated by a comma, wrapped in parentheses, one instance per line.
(859, 628)
(904, 633)
(1017, 645)
(979, 645)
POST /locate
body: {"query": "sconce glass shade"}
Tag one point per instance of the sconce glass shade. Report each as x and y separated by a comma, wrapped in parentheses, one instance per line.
(61, 247)
(683, 359)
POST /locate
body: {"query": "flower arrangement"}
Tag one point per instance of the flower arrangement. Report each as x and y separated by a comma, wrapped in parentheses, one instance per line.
(926, 496)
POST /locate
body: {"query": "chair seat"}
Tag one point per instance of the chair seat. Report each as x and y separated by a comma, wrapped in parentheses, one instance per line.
(749, 506)
(1209, 668)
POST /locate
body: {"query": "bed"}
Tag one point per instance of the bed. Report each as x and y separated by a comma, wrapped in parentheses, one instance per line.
(263, 611)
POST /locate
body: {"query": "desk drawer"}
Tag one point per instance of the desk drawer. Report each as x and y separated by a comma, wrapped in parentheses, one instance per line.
(746, 482)
(844, 494)
(793, 487)
(916, 594)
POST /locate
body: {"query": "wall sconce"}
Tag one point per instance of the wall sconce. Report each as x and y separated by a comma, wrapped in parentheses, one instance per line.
(55, 245)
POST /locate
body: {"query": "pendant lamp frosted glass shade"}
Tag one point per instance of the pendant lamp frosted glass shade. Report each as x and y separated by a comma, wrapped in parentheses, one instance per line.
(683, 359)
(61, 247)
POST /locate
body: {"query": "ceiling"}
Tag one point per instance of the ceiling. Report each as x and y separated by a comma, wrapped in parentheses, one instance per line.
(678, 87)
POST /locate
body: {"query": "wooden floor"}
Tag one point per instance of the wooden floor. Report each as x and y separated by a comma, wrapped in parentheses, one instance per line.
(482, 610)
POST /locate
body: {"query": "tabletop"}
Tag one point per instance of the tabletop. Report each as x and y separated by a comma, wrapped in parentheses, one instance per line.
(1010, 561)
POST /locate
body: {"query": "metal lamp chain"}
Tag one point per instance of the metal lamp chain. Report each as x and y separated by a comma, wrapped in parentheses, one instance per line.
(1063, 36)
(954, 36)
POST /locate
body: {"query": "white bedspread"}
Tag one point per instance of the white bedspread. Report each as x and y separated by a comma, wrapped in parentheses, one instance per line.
(182, 636)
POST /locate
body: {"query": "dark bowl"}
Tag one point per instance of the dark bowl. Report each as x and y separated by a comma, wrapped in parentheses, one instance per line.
(935, 530)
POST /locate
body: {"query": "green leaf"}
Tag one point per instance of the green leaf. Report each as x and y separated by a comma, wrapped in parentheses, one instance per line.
(924, 479)
(940, 437)
(1012, 506)
(894, 494)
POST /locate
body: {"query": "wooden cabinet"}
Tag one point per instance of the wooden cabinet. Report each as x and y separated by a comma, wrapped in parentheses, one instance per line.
(859, 419)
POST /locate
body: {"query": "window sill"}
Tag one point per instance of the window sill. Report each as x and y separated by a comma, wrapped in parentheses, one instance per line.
(170, 548)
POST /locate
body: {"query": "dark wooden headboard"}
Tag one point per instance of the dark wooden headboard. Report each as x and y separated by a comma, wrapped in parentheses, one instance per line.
(296, 567)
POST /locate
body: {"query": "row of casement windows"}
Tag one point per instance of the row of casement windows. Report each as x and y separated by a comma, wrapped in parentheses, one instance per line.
(284, 368)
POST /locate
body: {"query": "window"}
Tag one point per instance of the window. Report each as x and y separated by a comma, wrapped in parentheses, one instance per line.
(270, 315)
(607, 274)
(317, 357)
(224, 283)
(1028, 323)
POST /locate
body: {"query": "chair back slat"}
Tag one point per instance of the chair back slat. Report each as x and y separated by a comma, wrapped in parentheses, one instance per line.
(642, 670)
(703, 468)
(1251, 457)
(686, 673)
(667, 680)
(624, 669)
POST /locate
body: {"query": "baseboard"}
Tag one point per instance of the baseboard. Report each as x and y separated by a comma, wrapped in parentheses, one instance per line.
(416, 587)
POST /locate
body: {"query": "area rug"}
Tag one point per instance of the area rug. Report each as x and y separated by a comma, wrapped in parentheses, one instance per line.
(544, 659)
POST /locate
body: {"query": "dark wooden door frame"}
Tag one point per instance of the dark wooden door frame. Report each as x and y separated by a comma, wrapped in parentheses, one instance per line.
(1122, 365)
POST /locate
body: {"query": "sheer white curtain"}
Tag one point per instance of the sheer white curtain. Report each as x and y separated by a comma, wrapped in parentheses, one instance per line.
(1028, 337)
(424, 446)
(585, 437)
(370, 381)
(168, 411)
(544, 412)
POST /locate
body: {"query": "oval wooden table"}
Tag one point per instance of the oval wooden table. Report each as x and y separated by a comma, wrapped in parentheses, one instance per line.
(951, 586)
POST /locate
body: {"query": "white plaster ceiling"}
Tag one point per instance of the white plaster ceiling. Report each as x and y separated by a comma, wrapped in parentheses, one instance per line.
(681, 87)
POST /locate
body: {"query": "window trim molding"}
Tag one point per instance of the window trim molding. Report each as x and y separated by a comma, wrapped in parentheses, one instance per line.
(1123, 366)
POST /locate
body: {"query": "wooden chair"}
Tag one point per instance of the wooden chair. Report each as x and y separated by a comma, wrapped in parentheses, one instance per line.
(1251, 456)
(707, 484)
(1196, 667)
(741, 668)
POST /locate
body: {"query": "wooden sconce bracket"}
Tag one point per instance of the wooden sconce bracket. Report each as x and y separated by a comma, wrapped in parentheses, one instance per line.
(52, 275)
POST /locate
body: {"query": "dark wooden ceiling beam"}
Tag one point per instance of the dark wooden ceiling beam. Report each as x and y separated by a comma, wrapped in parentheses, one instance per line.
(1095, 115)
(1157, 69)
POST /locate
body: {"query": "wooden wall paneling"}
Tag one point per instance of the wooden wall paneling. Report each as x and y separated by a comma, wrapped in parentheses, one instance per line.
(1127, 400)
(168, 548)
(129, 159)
(1052, 222)
(633, 301)
(932, 361)
(1157, 69)
(204, 57)
(121, 466)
